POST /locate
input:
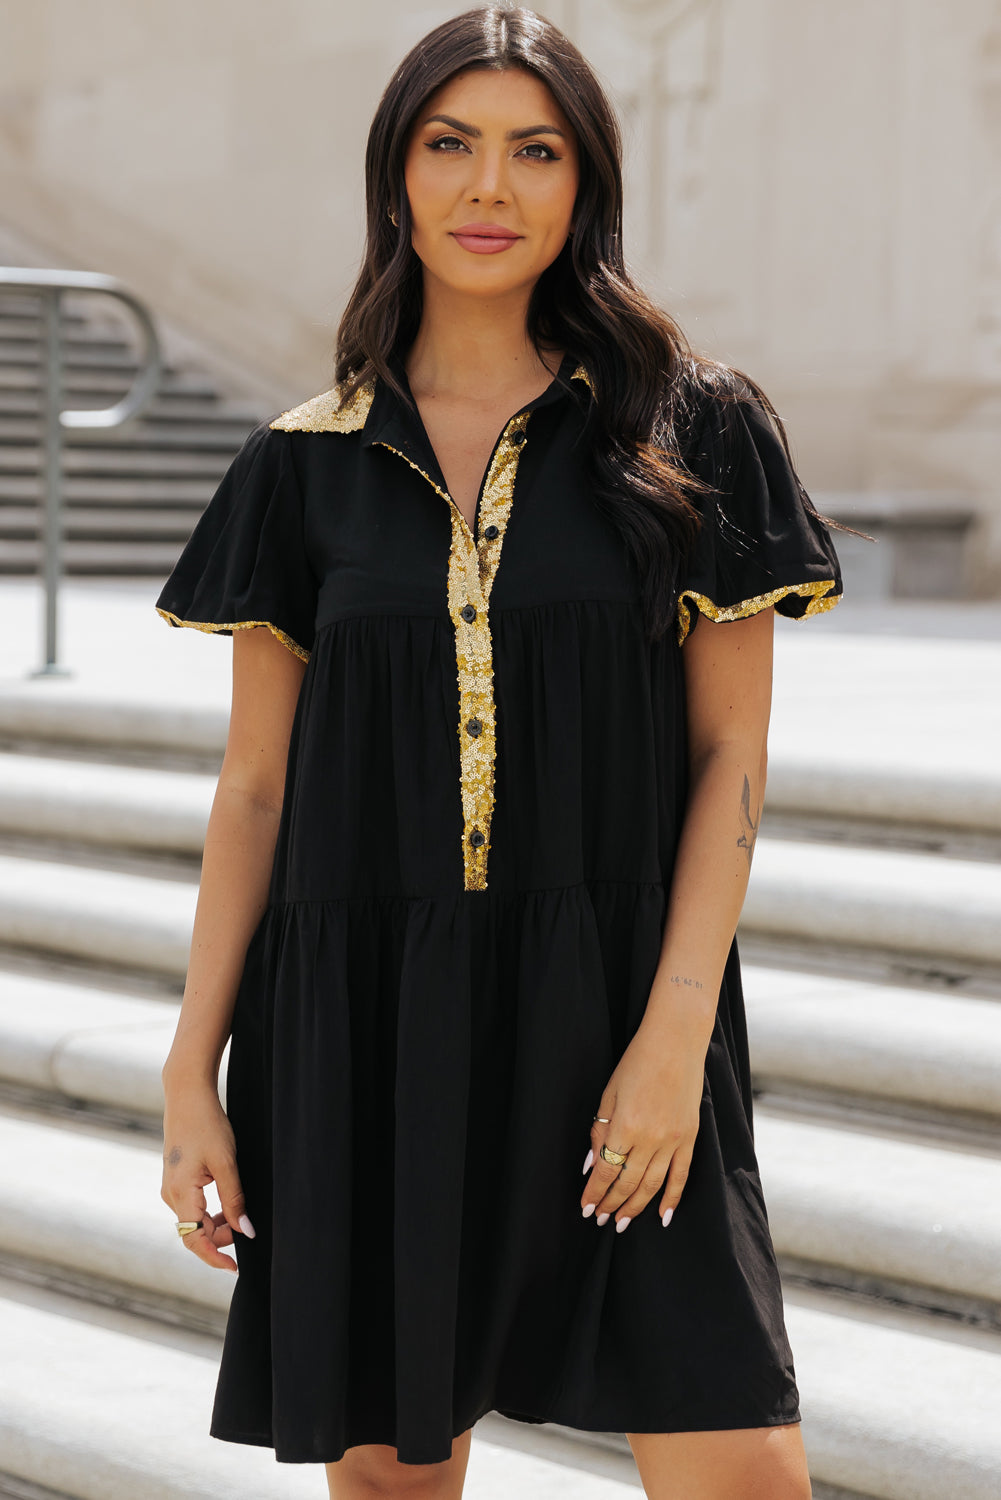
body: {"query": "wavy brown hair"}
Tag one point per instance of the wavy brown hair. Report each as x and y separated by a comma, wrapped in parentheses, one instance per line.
(644, 372)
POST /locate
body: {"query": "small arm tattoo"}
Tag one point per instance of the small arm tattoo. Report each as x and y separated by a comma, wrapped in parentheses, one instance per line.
(174, 1156)
(748, 824)
(696, 984)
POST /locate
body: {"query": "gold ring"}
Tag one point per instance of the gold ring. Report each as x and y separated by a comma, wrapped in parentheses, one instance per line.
(188, 1226)
(616, 1158)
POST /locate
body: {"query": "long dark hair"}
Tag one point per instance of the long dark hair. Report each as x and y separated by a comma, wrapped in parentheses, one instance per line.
(643, 370)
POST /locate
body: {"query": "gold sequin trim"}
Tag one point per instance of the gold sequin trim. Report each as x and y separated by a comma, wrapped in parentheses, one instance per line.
(811, 591)
(327, 412)
(280, 635)
(471, 573)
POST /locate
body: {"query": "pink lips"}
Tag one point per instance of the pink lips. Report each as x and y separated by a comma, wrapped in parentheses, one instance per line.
(485, 239)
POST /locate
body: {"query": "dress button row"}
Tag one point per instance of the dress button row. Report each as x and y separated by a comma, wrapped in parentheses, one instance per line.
(468, 612)
(491, 531)
(474, 726)
(518, 437)
(477, 839)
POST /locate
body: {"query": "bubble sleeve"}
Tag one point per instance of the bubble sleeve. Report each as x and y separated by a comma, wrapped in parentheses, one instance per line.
(245, 563)
(759, 544)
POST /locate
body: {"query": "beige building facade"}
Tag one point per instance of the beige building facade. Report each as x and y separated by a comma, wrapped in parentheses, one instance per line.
(813, 190)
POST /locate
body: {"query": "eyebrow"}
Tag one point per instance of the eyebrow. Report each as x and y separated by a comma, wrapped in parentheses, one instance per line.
(512, 135)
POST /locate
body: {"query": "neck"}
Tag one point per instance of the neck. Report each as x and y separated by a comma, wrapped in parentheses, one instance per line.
(474, 346)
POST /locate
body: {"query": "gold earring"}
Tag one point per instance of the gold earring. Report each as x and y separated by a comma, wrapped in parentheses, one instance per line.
(392, 217)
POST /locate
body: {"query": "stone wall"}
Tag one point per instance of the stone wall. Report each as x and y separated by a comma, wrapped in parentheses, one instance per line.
(814, 190)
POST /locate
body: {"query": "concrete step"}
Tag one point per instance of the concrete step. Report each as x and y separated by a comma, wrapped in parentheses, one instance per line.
(18, 327)
(124, 806)
(132, 921)
(23, 350)
(193, 494)
(18, 311)
(58, 1214)
(96, 1407)
(167, 522)
(867, 785)
(86, 1047)
(93, 559)
(175, 383)
(115, 524)
(921, 1222)
(911, 793)
(97, 460)
(860, 1043)
(884, 1058)
(112, 1411)
(918, 1221)
(926, 906)
(165, 433)
(894, 1412)
(24, 401)
(83, 355)
(871, 898)
(66, 714)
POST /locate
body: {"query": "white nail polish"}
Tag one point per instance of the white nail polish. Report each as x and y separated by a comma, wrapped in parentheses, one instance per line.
(666, 1217)
(587, 1210)
(589, 1158)
(622, 1224)
(247, 1227)
(603, 1218)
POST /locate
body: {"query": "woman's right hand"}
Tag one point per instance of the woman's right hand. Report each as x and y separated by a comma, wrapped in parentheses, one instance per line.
(199, 1148)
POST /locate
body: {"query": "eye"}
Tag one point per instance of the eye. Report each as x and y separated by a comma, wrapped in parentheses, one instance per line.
(532, 145)
(549, 156)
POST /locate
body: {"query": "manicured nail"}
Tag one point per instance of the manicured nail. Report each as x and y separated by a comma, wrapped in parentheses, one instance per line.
(247, 1227)
(589, 1158)
(622, 1224)
(603, 1218)
(666, 1216)
(587, 1209)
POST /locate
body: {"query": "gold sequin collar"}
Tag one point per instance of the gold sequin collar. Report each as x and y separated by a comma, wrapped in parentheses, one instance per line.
(332, 411)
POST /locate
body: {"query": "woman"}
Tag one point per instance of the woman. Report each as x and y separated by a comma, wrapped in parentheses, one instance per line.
(472, 874)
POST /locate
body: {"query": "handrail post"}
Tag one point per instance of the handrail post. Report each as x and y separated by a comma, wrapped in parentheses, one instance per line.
(50, 286)
(52, 445)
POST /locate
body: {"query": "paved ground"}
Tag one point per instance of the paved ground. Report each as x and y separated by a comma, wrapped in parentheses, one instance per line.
(865, 682)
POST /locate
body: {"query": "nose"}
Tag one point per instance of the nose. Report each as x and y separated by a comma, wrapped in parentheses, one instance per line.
(488, 176)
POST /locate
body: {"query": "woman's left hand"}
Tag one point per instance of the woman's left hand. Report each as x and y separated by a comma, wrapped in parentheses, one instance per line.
(652, 1104)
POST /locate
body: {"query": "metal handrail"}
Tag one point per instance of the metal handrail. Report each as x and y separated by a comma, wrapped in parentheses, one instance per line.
(50, 286)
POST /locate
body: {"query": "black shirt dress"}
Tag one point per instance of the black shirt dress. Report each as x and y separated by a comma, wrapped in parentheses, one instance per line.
(486, 785)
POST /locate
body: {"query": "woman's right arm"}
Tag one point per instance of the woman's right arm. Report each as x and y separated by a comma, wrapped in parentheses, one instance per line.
(232, 897)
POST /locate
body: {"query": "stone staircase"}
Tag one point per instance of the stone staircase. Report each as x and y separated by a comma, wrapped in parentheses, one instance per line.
(132, 494)
(871, 941)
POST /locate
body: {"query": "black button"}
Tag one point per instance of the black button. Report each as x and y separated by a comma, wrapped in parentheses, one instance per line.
(474, 726)
(468, 612)
(477, 839)
(518, 437)
(491, 531)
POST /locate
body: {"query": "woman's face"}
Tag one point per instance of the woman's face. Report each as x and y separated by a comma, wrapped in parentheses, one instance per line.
(491, 149)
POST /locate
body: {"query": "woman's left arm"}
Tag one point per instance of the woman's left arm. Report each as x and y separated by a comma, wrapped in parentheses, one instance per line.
(652, 1099)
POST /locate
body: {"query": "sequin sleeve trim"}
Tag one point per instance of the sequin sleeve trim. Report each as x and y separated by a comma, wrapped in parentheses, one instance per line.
(211, 629)
(814, 592)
